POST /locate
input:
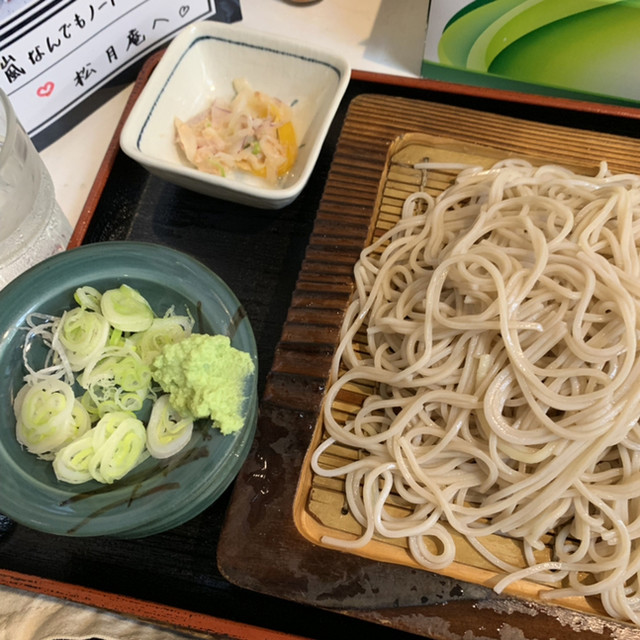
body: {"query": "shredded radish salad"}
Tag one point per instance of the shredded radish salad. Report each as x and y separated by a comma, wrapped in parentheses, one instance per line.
(80, 410)
(253, 133)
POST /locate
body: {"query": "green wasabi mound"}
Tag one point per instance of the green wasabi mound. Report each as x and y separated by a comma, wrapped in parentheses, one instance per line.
(205, 377)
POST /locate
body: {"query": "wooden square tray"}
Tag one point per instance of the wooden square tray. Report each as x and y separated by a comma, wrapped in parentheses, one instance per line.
(319, 507)
(271, 541)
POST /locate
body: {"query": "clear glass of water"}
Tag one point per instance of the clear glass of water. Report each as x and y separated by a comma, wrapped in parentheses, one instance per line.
(32, 225)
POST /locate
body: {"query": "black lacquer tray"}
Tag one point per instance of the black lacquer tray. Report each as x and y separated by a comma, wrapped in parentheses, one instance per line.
(197, 569)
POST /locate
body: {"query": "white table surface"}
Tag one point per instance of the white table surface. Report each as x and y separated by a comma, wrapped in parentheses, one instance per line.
(384, 36)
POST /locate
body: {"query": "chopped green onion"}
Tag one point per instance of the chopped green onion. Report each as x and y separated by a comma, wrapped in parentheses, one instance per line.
(83, 334)
(167, 431)
(80, 419)
(114, 371)
(44, 420)
(126, 309)
(88, 298)
(107, 425)
(123, 449)
(111, 341)
(71, 463)
(116, 338)
(163, 331)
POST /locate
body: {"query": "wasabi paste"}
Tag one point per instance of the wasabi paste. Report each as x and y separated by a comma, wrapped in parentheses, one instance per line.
(205, 378)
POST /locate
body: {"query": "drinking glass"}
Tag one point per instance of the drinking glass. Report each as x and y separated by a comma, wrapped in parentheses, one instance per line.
(32, 225)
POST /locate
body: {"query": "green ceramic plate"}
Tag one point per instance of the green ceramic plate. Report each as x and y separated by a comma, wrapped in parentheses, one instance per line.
(159, 494)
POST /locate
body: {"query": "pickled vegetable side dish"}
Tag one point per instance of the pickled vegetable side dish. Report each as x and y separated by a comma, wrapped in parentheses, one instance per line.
(252, 133)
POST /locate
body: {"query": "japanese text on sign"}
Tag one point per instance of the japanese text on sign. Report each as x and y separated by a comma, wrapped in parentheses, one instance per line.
(52, 58)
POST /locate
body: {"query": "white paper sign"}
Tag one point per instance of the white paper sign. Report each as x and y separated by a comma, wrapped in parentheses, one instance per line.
(55, 53)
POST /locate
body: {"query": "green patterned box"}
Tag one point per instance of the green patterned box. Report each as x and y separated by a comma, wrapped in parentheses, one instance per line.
(585, 49)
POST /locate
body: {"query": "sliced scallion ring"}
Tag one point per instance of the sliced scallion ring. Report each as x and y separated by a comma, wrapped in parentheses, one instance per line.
(88, 298)
(163, 331)
(124, 449)
(83, 334)
(44, 420)
(167, 431)
(71, 463)
(107, 425)
(126, 309)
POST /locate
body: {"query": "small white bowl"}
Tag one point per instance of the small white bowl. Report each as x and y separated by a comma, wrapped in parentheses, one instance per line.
(200, 64)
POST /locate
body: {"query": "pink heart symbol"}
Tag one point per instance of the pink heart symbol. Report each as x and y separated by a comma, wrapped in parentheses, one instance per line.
(45, 90)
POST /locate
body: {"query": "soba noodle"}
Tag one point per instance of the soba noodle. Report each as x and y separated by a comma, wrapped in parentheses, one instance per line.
(495, 329)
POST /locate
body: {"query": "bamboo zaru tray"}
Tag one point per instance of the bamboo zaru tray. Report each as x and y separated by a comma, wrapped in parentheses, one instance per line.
(320, 507)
